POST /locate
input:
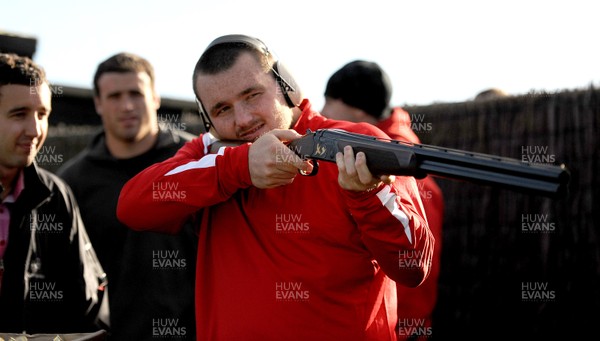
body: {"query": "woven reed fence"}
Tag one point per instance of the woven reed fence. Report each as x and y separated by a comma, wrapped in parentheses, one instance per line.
(514, 263)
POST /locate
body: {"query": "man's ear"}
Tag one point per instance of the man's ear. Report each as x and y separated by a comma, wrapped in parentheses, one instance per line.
(97, 105)
(156, 99)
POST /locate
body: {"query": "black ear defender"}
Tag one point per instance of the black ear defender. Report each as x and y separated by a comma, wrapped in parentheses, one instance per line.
(288, 86)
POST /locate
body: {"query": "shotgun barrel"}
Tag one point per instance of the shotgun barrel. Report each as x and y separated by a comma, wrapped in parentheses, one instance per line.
(392, 157)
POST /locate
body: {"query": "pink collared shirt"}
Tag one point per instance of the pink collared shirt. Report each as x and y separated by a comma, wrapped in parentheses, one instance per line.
(5, 213)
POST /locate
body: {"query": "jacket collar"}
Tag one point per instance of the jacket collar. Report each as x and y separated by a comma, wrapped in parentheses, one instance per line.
(99, 151)
(302, 124)
(37, 188)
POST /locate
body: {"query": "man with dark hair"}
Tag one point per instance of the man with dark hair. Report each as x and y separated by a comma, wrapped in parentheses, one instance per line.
(50, 279)
(362, 89)
(152, 275)
(281, 256)
(122, 63)
(360, 92)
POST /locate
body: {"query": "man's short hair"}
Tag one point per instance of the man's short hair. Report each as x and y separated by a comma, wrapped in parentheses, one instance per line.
(122, 63)
(20, 70)
(363, 85)
(223, 56)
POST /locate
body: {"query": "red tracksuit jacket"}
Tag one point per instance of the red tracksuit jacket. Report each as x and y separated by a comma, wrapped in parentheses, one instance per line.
(306, 261)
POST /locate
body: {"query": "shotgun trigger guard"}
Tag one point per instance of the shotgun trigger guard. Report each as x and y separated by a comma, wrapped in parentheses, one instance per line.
(314, 172)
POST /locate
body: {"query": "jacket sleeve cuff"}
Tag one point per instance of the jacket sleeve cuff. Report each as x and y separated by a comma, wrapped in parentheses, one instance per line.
(355, 199)
(235, 165)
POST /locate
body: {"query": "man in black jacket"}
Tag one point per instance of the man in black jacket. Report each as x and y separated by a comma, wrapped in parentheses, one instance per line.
(50, 279)
(152, 275)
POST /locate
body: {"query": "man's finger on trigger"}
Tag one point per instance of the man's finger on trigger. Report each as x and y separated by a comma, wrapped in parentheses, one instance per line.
(284, 154)
(308, 166)
(292, 160)
(298, 163)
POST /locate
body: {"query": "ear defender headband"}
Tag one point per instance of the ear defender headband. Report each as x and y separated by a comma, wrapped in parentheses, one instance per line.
(289, 88)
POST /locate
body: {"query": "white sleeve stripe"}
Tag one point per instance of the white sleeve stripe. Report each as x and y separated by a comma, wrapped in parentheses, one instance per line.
(205, 162)
(388, 199)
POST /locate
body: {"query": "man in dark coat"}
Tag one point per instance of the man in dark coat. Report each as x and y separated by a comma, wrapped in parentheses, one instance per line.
(50, 279)
(152, 274)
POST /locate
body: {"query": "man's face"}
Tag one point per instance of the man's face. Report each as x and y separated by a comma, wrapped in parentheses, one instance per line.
(244, 101)
(24, 112)
(127, 104)
(338, 110)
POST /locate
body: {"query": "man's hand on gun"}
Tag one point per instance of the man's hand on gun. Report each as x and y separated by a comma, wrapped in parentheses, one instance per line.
(272, 163)
(354, 175)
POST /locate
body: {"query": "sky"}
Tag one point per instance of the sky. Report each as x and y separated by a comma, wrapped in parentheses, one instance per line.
(433, 51)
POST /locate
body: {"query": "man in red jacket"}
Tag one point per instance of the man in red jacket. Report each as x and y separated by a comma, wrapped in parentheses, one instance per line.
(281, 256)
(360, 91)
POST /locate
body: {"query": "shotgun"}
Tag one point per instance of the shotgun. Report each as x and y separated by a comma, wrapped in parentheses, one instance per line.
(392, 157)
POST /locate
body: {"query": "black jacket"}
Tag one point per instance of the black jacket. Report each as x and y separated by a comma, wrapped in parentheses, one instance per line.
(51, 274)
(152, 275)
